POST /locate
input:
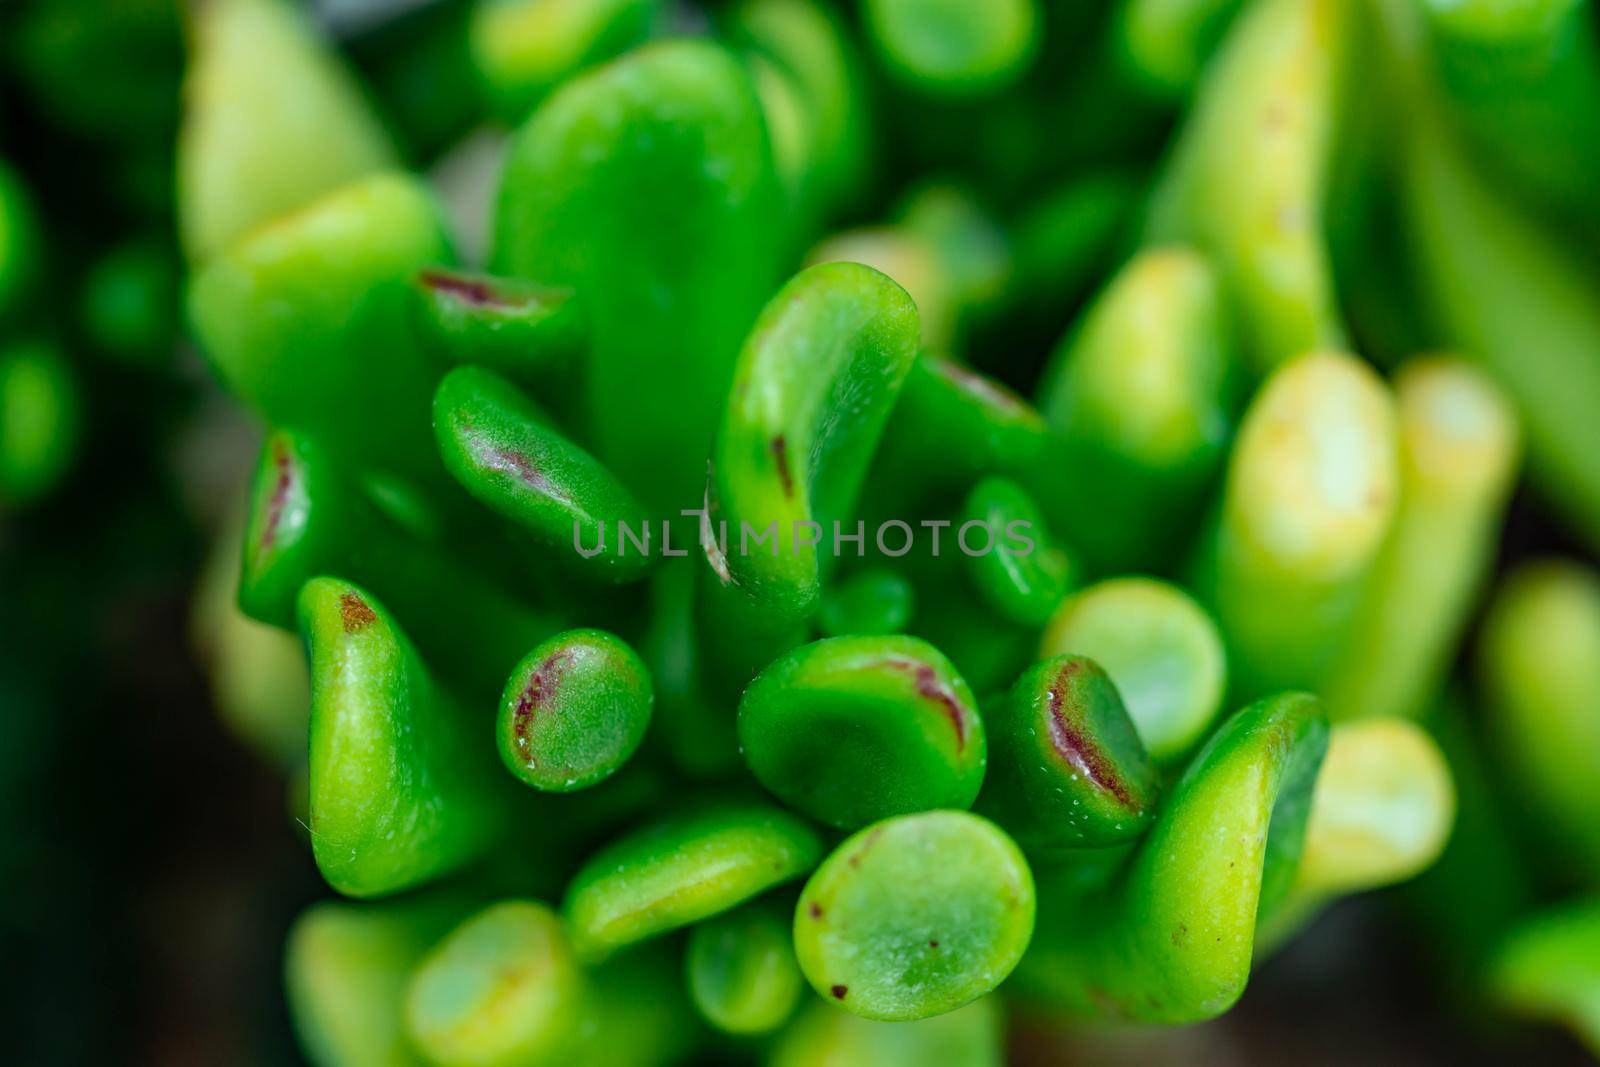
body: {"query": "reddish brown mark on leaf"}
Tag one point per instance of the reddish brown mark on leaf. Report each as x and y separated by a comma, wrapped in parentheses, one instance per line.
(1076, 747)
(929, 687)
(284, 464)
(839, 991)
(356, 614)
(780, 456)
(521, 464)
(815, 910)
(541, 688)
(476, 291)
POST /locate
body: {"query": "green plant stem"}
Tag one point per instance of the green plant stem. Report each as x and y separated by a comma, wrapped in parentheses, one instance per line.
(1458, 457)
(1140, 399)
(1510, 296)
(1247, 182)
(1539, 663)
(1310, 497)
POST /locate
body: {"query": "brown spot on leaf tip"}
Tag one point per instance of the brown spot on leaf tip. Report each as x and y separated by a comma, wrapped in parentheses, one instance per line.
(1075, 745)
(839, 992)
(356, 613)
(780, 456)
(815, 910)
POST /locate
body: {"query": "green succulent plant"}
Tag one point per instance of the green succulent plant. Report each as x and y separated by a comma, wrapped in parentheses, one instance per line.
(818, 526)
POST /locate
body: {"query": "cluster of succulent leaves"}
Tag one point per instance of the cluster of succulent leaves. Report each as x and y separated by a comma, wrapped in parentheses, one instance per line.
(829, 805)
